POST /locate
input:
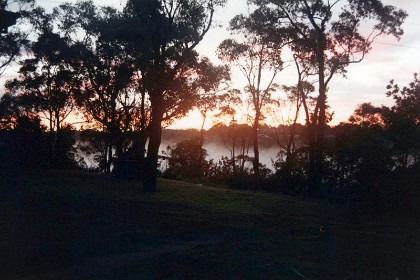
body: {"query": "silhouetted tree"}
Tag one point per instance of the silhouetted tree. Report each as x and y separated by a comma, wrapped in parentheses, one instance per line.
(259, 64)
(45, 85)
(367, 115)
(213, 94)
(187, 160)
(105, 70)
(31, 142)
(288, 137)
(403, 122)
(326, 37)
(167, 33)
(12, 38)
(9, 111)
(370, 158)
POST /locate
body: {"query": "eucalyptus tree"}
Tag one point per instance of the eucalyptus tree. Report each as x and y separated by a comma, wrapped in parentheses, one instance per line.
(44, 84)
(326, 36)
(228, 106)
(259, 63)
(45, 79)
(166, 33)
(104, 69)
(297, 97)
(12, 35)
(402, 121)
(213, 95)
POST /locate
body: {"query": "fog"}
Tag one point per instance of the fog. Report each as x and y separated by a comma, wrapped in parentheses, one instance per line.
(217, 149)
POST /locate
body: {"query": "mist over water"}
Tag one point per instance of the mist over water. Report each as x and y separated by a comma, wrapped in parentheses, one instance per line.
(216, 149)
(215, 146)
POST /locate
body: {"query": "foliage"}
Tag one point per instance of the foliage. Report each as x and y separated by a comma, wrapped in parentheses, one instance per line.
(403, 122)
(12, 36)
(93, 145)
(45, 81)
(166, 34)
(44, 87)
(9, 111)
(367, 115)
(259, 64)
(376, 147)
(324, 39)
(187, 160)
(28, 144)
(104, 71)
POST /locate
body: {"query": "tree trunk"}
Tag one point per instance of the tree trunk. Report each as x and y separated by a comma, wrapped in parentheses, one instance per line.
(109, 155)
(59, 158)
(233, 160)
(256, 162)
(311, 154)
(141, 138)
(201, 155)
(140, 151)
(151, 162)
(318, 156)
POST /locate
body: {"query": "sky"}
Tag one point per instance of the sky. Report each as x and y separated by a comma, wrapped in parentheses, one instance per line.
(365, 82)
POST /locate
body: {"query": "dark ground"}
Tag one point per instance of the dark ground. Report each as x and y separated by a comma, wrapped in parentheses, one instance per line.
(73, 225)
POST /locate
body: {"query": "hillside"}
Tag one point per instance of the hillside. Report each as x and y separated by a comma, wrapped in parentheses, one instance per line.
(72, 225)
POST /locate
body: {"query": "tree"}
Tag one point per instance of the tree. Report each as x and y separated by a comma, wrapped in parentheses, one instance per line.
(9, 111)
(326, 37)
(256, 61)
(213, 95)
(289, 135)
(407, 101)
(187, 160)
(375, 155)
(402, 121)
(367, 115)
(30, 143)
(12, 39)
(166, 33)
(104, 70)
(45, 83)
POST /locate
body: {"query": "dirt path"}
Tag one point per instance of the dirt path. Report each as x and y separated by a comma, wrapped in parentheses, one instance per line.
(114, 263)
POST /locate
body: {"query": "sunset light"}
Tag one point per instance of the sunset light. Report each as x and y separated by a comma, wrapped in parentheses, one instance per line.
(209, 139)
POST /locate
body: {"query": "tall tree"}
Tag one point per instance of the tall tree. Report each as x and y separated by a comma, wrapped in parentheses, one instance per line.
(297, 98)
(12, 38)
(259, 64)
(212, 96)
(105, 69)
(326, 36)
(45, 84)
(167, 31)
(402, 121)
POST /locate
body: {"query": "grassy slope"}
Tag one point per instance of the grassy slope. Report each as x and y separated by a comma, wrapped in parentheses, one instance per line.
(65, 219)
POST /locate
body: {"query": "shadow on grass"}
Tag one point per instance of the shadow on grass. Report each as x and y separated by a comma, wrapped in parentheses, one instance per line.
(72, 225)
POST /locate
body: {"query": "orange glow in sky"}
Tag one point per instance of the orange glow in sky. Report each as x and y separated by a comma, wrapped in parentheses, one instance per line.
(365, 82)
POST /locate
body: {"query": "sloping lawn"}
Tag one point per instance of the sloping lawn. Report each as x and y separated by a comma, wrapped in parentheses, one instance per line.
(74, 225)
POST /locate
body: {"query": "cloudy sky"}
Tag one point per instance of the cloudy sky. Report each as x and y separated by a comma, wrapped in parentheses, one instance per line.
(365, 82)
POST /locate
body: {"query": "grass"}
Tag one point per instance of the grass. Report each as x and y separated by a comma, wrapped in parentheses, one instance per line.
(92, 226)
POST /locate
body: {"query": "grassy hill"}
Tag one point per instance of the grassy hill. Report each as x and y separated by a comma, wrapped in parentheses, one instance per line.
(73, 225)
